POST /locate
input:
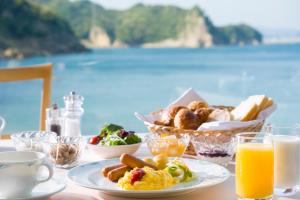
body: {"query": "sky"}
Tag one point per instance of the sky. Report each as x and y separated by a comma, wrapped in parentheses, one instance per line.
(262, 14)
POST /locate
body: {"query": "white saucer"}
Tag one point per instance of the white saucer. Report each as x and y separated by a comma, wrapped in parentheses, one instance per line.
(43, 190)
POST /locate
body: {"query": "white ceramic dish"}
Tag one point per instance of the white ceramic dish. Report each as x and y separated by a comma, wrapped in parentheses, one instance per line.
(113, 151)
(43, 190)
(90, 176)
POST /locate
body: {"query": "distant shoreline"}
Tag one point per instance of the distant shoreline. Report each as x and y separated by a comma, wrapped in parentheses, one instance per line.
(281, 40)
(151, 49)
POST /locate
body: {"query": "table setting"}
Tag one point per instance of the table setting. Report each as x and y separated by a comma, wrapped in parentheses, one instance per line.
(193, 150)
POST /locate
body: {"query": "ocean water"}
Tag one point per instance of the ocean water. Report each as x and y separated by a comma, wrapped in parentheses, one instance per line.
(118, 82)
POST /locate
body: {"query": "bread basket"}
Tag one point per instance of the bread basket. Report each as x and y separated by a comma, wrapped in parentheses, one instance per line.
(227, 129)
(159, 129)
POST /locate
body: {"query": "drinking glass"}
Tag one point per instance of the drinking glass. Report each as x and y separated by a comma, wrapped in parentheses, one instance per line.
(2, 124)
(254, 166)
(286, 142)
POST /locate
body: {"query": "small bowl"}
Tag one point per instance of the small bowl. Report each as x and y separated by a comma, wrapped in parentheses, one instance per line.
(170, 145)
(113, 151)
(31, 140)
(216, 148)
(65, 151)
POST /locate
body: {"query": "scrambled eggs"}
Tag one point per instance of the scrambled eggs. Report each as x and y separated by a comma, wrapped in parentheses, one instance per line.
(151, 180)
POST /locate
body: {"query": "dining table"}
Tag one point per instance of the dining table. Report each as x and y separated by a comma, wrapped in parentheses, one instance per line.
(222, 191)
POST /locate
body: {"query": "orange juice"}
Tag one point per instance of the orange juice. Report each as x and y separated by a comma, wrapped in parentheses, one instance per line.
(254, 170)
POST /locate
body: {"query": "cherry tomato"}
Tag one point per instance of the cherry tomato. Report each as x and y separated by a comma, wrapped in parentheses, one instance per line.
(94, 140)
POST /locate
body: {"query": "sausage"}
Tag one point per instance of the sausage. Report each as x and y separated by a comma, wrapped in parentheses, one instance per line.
(105, 170)
(117, 173)
(133, 162)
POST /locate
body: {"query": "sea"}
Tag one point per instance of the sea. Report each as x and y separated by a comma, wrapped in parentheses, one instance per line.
(115, 83)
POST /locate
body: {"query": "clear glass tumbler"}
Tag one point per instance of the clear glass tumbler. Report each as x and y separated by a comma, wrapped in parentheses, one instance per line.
(254, 166)
(286, 142)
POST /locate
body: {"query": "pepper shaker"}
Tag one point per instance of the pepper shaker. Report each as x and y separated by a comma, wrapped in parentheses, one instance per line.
(54, 122)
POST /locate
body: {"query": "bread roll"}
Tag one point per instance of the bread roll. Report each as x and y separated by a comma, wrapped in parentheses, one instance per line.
(168, 116)
(203, 114)
(172, 111)
(219, 115)
(195, 105)
(186, 119)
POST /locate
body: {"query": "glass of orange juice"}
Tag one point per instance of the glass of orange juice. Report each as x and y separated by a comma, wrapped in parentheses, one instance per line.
(254, 166)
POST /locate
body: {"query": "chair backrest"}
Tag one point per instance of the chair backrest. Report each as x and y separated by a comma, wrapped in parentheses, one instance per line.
(43, 71)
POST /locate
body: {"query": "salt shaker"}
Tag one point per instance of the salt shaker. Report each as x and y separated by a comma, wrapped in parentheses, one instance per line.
(54, 121)
(72, 114)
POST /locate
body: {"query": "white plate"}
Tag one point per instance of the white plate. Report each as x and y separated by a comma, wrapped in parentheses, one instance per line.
(44, 190)
(90, 176)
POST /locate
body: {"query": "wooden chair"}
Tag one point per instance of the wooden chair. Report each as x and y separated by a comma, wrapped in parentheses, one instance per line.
(43, 71)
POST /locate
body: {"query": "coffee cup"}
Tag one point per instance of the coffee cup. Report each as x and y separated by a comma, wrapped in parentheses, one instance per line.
(20, 172)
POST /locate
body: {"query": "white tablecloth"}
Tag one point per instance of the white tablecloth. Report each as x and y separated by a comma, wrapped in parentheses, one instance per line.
(224, 191)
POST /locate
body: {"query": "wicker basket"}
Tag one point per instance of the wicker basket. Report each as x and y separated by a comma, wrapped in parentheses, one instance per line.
(158, 129)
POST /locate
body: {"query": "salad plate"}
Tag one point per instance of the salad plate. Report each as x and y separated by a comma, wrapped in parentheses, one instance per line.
(113, 151)
(113, 140)
(89, 175)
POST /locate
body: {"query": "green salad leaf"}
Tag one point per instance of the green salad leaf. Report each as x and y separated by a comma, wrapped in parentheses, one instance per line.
(112, 135)
(132, 139)
(109, 129)
(113, 141)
